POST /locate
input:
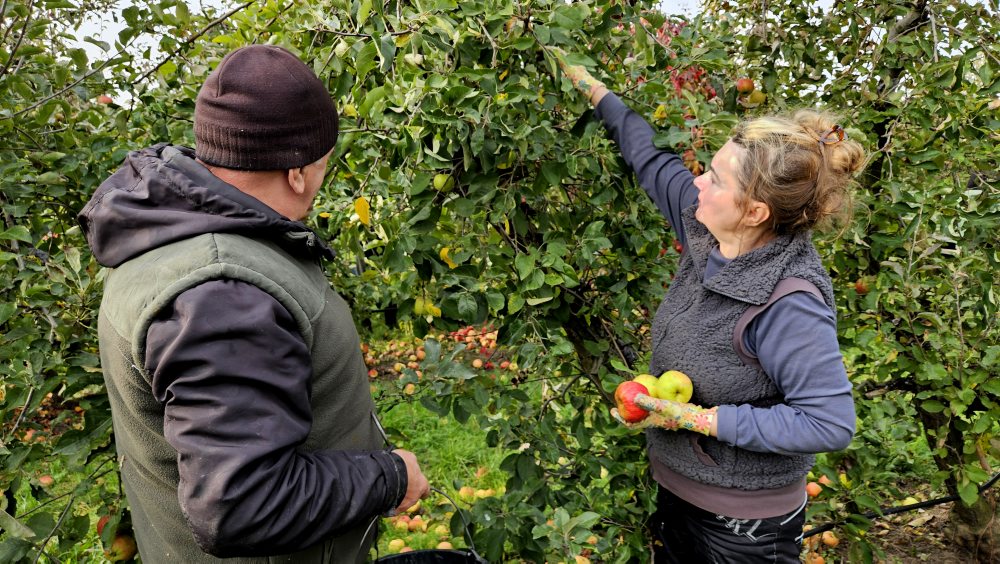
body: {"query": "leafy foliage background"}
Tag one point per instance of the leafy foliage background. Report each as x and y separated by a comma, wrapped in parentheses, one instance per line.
(547, 234)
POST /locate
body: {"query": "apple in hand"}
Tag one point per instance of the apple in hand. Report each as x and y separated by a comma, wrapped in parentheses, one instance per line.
(625, 399)
(674, 385)
(651, 383)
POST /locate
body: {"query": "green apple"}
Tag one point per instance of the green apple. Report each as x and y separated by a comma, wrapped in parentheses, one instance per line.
(675, 385)
(651, 383)
(443, 182)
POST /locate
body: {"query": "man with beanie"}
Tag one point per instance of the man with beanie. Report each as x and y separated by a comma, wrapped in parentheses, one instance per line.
(241, 404)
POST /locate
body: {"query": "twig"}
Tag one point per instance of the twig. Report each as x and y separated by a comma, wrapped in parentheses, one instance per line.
(3, 10)
(20, 416)
(62, 91)
(191, 39)
(62, 517)
(492, 43)
(93, 475)
(368, 35)
(274, 19)
(20, 38)
(367, 130)
(883, 511)
(930, 15)
(28, 135)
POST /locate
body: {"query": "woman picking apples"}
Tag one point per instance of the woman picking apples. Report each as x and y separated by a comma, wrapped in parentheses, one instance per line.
(750, 319)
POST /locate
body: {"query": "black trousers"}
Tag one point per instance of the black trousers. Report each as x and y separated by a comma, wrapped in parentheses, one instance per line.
(685, 534)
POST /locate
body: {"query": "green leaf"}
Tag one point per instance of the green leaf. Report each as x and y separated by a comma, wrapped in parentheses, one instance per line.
(14, 527)
(364, 62)
(50, 177)
(364, 10)
(969, 493)
(932, 406)
(18, 233)
(672, 138)
(73, 258)
(991, 356)
(7, 310)
(514, 304)
(373, 97)
(525, 265)
(467, 307)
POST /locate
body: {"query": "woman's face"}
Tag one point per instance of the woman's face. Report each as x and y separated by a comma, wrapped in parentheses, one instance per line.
(718, 193)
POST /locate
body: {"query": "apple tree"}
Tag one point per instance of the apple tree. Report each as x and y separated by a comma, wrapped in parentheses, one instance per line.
(917, 271)
(472, 185)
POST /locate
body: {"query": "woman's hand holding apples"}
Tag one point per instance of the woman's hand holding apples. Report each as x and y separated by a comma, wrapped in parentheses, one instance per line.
(671, 415)
(650, 402)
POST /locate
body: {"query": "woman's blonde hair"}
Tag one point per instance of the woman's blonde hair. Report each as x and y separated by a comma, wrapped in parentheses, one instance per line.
(801, 165)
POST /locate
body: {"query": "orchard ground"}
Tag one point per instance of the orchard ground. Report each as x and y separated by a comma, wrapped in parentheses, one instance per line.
(458, 461)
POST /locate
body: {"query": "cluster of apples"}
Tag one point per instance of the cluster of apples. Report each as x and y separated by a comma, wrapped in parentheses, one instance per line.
(747, 94)
(672, 385)
(415, 521)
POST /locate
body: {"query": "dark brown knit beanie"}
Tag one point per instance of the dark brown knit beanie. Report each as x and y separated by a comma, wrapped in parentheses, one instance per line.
(263, 109)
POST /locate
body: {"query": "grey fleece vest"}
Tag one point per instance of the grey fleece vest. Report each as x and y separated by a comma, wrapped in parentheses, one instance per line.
(693, 332)
(340, 396)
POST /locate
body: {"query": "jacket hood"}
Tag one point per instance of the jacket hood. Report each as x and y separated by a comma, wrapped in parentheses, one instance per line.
(161, 195)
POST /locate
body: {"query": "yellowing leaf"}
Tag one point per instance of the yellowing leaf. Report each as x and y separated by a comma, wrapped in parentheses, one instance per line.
(447, 259)
(504, 74)
(363, 210)
(661, 112)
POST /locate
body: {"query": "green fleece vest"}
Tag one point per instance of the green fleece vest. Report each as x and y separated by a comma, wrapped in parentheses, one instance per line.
(340, 395)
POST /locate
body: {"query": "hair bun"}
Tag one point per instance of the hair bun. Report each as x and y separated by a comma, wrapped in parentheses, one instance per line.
(801, 167)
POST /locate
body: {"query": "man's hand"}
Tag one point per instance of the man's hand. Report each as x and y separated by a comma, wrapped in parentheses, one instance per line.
(672, 415)
(417, 487)
(580, 77)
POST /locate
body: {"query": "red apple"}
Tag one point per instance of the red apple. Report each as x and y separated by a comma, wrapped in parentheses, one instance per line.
(861, 287)
(122, 548)
(625, 400)
(105, 99)
(101, 523)
(744, 85)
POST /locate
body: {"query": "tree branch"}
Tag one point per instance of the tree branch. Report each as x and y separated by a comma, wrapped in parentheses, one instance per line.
(62, 91)
(192, 39)
(20, 38)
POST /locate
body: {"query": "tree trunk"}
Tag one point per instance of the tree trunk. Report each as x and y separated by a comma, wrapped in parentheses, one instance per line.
(973, 528)
(976, 528)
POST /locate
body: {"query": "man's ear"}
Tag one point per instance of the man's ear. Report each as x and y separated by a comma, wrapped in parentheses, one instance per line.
(757, 214)
(297, 180)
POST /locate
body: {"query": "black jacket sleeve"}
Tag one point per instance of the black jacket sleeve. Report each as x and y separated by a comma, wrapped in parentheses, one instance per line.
(661, 174)
(231, 369)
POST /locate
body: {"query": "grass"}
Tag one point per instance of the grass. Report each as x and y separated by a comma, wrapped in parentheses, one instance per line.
(455, 459)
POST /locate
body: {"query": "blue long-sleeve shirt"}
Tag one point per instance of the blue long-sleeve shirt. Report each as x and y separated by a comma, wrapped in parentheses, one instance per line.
(795, 339)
